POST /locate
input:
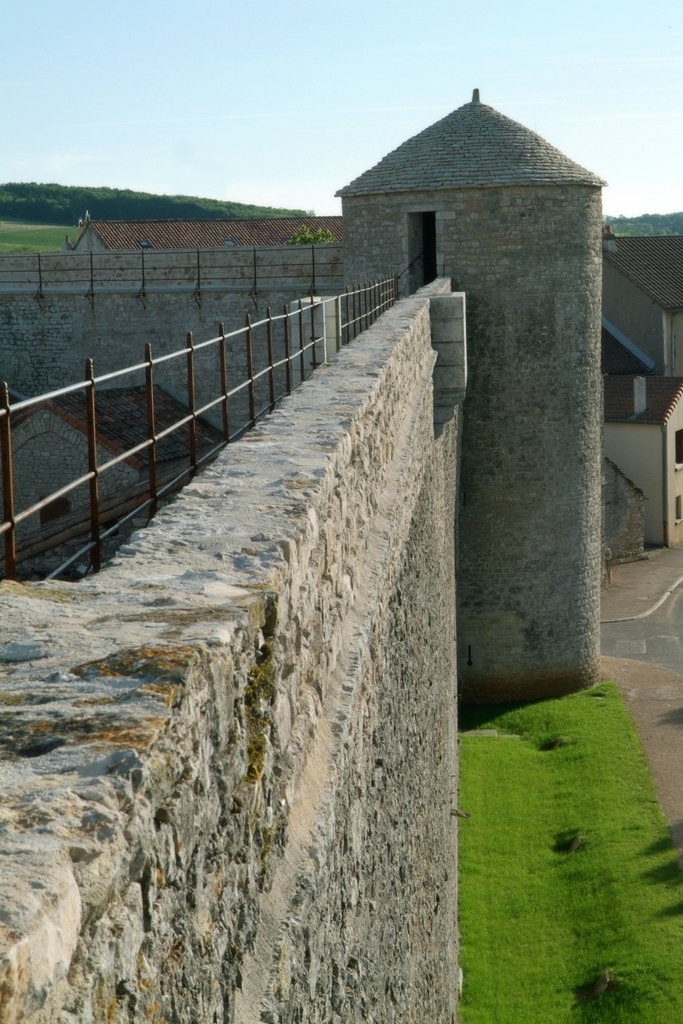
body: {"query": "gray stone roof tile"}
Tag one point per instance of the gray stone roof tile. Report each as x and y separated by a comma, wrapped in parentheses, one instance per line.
(654, 263)
(474, 146)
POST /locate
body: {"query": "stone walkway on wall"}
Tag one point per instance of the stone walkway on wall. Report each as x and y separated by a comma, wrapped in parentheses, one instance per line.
(640, 614)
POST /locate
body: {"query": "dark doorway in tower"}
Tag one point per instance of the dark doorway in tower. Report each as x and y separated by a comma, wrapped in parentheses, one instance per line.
(429, 246)
(421, 249)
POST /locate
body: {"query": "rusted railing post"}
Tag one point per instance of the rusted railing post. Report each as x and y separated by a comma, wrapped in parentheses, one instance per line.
(191, 403)
(301, 340)
(7, 482)
(250, 369)
(314, 361)
(347, 328)
(93, 483)
(151, 429)
(338, 323)
(288, 366)
(224, 382)
(271, 377)
(323, 315)
(353, 296)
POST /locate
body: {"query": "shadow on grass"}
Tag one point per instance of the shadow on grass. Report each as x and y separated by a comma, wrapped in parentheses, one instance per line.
(668, 873)
(477, 716)
(675, 910)
(481, 716)
(662, 845)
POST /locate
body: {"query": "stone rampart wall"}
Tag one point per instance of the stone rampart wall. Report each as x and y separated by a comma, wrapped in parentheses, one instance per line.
(44, 340)
(229, 760)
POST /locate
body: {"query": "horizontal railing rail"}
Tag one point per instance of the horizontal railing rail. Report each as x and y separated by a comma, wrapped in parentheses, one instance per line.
(302, 333)
(143, 272)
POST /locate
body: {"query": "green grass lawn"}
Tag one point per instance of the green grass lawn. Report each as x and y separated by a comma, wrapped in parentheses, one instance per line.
(539, 923)
(18, 237)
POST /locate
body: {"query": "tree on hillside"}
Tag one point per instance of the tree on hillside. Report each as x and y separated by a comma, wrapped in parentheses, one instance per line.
(647, 224)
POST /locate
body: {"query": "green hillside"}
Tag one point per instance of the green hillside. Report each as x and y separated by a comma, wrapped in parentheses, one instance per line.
(20, 237)
(647, 224)
(63, 204)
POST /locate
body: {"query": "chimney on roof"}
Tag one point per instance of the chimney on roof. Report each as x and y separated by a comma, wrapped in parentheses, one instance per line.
(609, 241)
(475, 96)
(639, 395)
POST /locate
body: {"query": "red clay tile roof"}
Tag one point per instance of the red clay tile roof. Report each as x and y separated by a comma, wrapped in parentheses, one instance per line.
(655, 264)
(617, 359)
(121, 416)
(204, 234)
(662, 395)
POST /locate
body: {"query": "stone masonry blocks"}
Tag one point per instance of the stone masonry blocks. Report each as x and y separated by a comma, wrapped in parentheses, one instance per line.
(229, 759)
(529, 259)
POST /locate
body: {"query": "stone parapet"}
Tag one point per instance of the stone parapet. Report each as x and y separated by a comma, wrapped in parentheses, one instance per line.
(228, 761)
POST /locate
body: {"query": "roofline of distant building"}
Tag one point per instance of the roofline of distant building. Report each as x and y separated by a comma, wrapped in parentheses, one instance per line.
(628, 344)
(639, 284)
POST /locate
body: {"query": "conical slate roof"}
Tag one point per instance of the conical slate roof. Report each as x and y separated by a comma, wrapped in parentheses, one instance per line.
(474, 146)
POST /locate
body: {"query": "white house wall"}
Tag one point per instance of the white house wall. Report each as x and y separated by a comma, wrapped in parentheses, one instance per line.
(636, 448)
(674, 475)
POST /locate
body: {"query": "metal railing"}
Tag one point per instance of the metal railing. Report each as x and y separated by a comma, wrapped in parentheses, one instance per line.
(300, 333)
(141, 273)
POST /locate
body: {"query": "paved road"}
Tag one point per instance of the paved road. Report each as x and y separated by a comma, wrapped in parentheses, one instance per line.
(655, 640)
(643, 654)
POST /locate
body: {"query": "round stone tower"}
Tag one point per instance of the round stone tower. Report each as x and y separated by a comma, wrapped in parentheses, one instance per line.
(517, 226)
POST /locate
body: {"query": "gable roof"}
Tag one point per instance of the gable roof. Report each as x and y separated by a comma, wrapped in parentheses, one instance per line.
(205, 234)
(121, 417)
(614, 358)
(662, 395)
(474, 145)
(618, 353)
(654, 263)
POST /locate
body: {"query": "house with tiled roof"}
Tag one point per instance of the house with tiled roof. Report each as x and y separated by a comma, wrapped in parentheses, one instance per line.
(643, 436)
(642, 295)
(112, 235)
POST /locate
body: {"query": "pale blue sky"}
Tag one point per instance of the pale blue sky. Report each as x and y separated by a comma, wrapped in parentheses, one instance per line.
(281, 102)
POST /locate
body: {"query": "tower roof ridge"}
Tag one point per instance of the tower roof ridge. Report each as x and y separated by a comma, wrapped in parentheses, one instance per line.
(472, 147)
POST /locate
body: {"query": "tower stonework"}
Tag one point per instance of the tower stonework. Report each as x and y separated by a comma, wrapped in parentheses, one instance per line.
(516, 225)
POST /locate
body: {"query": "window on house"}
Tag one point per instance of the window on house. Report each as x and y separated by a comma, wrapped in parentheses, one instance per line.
(144, 243)
(230, 241)
(55, 510)
(679, 446)
(678, 508)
